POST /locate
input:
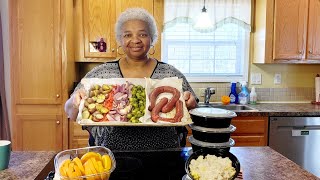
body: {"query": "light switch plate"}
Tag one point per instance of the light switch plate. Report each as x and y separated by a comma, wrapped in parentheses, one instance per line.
(277, 78)
(255, 78)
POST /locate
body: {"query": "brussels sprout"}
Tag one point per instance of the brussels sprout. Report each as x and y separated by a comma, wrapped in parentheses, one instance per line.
(129, 116)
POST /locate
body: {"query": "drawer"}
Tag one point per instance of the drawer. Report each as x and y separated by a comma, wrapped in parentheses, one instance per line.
(250, 125)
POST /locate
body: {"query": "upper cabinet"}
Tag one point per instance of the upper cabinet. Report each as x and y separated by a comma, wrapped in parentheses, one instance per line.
(96, 19)
(313, 45)
(98, 23)
(290, 29)
(36, 37)
(287, 31)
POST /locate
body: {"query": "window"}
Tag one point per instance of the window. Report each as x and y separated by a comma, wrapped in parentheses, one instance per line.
(221, 55)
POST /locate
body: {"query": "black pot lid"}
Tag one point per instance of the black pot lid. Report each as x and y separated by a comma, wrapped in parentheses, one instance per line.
(196, 142)
(229, 129)
(210, 112)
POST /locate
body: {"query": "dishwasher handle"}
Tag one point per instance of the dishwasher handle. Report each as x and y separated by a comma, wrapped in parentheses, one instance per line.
(304, 132)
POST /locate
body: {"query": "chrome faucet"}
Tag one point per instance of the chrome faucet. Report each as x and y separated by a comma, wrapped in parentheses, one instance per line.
(207, 94)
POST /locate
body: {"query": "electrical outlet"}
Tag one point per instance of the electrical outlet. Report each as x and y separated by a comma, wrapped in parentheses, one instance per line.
(277, 78)
(202, 91)
(256, 78)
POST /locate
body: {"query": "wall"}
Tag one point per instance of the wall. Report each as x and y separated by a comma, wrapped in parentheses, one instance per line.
(5, 35)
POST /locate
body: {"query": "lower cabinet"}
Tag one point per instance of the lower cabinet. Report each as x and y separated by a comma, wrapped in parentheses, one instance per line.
(37, 128)
(78, 138)
(251, 131)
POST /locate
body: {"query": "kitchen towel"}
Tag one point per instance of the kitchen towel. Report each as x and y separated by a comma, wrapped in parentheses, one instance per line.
(317, 88)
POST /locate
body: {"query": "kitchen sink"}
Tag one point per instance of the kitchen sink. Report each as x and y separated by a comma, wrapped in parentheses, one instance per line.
(231, 107)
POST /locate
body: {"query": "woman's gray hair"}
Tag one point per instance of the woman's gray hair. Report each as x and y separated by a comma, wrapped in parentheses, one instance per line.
(137, 14)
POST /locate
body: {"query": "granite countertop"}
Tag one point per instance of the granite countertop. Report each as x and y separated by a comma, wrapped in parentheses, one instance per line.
(261, 163)
(283, 109)
(264, 163)
(28, 165)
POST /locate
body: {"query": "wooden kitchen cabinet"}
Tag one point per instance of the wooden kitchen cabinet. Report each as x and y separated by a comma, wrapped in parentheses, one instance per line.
(251, 131)
(286, 31)
(97, 18)
(98, 22)
(38, 48)
(78, 137)
(313, 45)
(290, 29)
(38, 131)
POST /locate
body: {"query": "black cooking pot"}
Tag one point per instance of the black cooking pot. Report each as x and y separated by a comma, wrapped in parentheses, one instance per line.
(212, 117)
(212, 135)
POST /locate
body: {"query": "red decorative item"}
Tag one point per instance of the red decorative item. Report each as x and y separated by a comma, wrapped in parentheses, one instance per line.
(102, 46)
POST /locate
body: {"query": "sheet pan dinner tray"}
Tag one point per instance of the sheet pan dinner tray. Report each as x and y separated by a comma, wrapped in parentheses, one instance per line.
(133, 102)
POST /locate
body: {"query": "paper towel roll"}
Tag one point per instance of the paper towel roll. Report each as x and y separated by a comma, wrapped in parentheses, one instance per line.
(317, 86)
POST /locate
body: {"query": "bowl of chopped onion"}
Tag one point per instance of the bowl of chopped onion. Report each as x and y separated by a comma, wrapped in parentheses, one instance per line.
(212, 165)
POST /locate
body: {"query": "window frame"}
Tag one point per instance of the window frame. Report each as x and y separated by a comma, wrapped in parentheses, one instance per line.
(215, 78)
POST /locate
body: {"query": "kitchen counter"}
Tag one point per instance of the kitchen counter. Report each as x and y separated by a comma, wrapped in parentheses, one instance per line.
(264, 163)
(283, 109)
(256, 163)
(28, 165)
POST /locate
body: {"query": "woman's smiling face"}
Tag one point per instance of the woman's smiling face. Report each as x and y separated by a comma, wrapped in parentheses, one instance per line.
(135, 39)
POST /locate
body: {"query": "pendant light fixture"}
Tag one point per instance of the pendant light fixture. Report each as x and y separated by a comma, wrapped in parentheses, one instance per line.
(203, 23)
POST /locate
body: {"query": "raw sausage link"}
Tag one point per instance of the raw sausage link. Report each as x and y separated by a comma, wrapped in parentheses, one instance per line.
(178, 116)
(156, 110)
(179, 111)
(170, 105)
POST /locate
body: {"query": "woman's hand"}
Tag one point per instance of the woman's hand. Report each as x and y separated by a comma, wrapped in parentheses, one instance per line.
(77, 97)
(72, 104)
(190, 100)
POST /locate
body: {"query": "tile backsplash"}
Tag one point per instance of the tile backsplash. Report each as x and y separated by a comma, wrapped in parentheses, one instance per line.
(294, 94)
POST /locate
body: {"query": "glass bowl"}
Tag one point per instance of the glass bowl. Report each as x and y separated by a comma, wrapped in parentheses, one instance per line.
(73, 153)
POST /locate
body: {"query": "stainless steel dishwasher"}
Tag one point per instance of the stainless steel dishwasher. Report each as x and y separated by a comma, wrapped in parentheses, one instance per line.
(297, 138)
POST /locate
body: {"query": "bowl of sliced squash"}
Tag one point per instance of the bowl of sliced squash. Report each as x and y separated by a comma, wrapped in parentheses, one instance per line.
(94, 162)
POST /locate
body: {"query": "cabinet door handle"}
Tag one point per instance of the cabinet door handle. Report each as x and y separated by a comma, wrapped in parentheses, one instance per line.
(300, 52)
(57, 95)
(310, 51)
(58, 122)
(112, 50)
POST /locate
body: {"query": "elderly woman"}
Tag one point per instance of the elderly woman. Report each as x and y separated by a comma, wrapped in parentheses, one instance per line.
(136, 32)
